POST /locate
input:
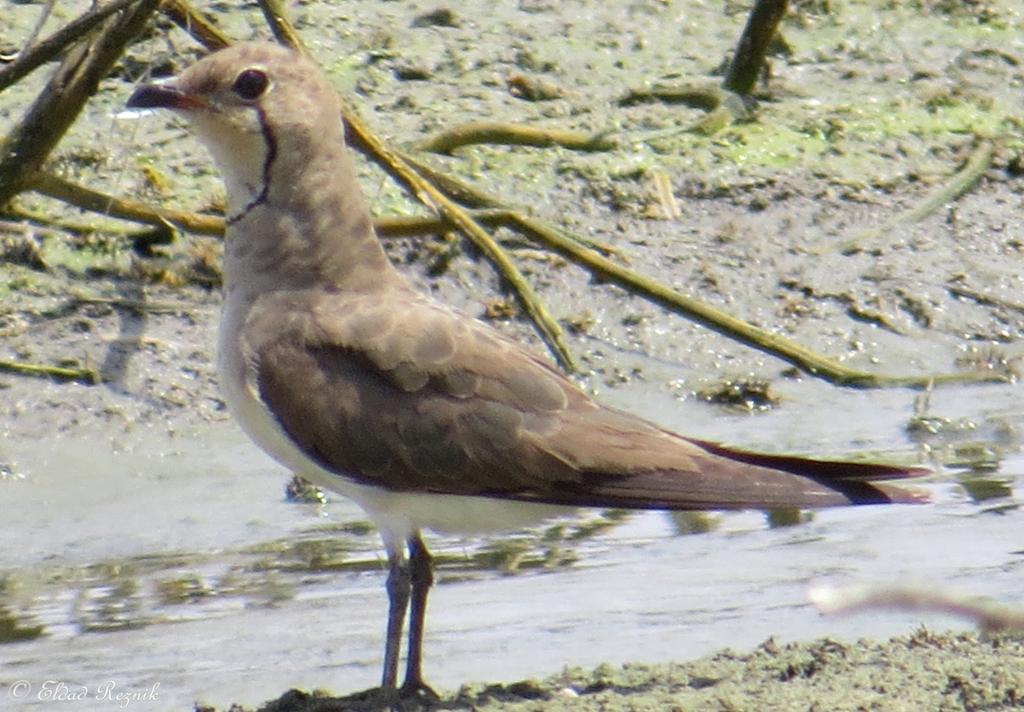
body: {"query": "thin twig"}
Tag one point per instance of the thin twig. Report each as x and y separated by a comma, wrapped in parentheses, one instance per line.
(494, 132)
(88, 199)
(705, 96)
(727, 103)
(38, 54)
(42, 221)
(43, 17)
(138, 306)
(280, 25)
(199, 26)
(431, 196)
(987, 300)
(731, 110)
(724, 107)
(961, 182)
(988, 615)
(88, 376)
(470, 196)
(59, 104)
(466, 195)
(771, 343)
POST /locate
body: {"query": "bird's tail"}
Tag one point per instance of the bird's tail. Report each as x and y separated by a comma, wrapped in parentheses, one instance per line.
(859, 482)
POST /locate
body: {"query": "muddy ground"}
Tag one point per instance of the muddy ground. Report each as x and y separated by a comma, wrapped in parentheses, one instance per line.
(870, 107)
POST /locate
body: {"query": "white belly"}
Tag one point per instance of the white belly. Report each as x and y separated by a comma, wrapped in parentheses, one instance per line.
(398, 515)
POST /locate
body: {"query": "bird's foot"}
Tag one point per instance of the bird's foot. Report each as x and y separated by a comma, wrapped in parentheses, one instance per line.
(415, 690)
(413, 695)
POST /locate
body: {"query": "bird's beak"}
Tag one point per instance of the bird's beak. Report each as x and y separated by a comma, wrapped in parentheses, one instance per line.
(164, 96)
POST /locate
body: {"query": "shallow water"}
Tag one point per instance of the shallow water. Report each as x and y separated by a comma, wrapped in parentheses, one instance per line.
(143, 559)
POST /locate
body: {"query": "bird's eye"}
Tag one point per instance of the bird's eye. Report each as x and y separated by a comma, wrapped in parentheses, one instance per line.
(250, 84)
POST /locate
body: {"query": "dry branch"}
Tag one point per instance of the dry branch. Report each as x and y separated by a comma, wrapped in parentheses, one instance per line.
(57, 107)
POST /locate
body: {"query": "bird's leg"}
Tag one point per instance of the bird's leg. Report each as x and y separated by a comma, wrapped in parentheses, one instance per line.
(399, 585)
(422, 575)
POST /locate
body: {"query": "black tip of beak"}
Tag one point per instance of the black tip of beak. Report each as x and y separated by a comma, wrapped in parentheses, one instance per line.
(162, 96)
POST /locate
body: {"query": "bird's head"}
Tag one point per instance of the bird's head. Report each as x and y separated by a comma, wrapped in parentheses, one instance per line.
(259, 108)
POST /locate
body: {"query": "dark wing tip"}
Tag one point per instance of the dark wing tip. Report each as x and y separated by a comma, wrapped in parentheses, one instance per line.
(814, 468)
(901, 495)
(860, 492)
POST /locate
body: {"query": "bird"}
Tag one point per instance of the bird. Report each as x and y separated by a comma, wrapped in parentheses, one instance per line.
(425, 417)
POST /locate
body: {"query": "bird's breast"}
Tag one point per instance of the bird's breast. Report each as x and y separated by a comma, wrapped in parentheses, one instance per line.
(398, 515)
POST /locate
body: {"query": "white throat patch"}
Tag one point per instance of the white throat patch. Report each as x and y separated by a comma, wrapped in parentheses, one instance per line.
(240, 156)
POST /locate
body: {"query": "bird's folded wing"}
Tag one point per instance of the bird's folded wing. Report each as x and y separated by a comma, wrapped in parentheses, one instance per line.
(401, 392)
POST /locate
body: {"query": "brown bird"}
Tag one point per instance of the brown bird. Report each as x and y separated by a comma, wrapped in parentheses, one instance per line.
(425, 417)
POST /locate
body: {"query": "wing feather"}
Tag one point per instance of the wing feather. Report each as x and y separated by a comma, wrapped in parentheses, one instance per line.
(401, 392)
